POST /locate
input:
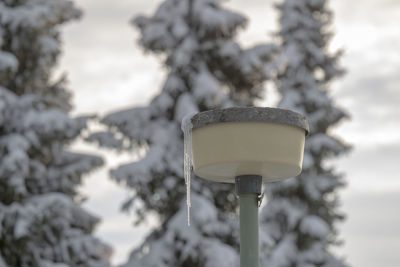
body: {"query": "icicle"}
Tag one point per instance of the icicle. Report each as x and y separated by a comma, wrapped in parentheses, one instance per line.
(187, 157)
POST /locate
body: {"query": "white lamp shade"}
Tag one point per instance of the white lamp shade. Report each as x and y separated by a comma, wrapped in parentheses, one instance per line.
(272, 148)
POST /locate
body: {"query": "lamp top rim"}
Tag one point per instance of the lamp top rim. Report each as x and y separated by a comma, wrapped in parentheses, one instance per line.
(250, 114)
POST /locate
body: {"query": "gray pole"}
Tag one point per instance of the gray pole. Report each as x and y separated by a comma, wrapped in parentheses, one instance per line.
(248, 187)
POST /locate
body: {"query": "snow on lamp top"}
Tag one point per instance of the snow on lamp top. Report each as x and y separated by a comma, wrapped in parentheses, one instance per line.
(249, 114)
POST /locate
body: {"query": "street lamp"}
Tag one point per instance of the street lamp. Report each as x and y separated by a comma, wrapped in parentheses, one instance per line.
(247, 146)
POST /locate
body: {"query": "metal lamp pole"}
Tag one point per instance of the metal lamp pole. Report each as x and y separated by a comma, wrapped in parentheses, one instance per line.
(248, 188)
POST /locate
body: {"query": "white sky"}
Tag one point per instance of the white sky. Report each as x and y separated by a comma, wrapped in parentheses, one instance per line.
(108, 71)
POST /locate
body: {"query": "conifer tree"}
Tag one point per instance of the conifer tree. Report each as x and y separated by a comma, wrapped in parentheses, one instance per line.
(207, 69)
(41, 221)
(301, 212)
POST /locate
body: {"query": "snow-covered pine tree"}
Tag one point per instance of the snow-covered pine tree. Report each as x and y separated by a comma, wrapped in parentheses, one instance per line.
(301, 212)
(207, 69)
(41, 222)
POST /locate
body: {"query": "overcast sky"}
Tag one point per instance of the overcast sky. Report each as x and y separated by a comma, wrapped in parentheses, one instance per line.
(108, 71)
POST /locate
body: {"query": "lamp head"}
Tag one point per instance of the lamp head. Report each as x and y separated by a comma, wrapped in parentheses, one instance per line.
(248, 141)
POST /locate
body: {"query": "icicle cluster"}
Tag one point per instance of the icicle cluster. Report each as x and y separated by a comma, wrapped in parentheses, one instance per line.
(186, 127)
